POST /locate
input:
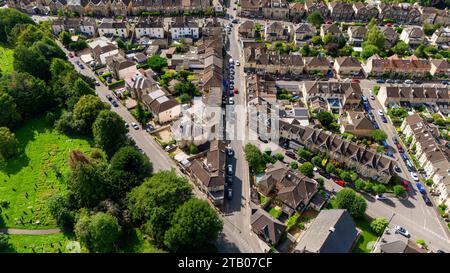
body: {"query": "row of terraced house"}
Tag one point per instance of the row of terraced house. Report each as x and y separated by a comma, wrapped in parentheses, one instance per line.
(115, 7)
(343, 11)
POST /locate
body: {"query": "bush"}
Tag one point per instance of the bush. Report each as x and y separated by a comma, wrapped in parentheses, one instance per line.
(330, 168)
(279, 157)
(422, 243)
(398, 190)
(429, 182)
(193, 149)
(293, 165)
(359, 184)
(305, 154)
(378, 225)
(116, 83)
(379, 189)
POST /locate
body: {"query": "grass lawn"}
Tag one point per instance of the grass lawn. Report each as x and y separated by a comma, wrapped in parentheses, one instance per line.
(275, 212)
(29, 179)
(52, 243)
(136, 243)
(367, 238)
(6, 59)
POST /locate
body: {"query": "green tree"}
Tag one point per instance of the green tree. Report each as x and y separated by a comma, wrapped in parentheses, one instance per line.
(88, 107)
(82, 88)
(420, 52)
(87, 183)
(307, 169)
(316, 40)
(193, 149)
(293, 165)
(315, 18)
(9, 18)
(327, 39)
(59, 207)
(325, 118)
(401, 49)
(30, 60)
(194, 226)
(254, 158)
(30, 94)
(375, 37)
(156, 200)
(359, 184)
(369, 50)
(109, 132)
(8, 143)
(346, 176)
(65, 38)
(353, 202)
(140, 114)
(399, 190)
(99, 233)
(379, 135)
(186, 88)
(429, 29)
(157, 63)
(330, 168)
(378, 225)
(8, 110)
(317, 160)
(379, 189)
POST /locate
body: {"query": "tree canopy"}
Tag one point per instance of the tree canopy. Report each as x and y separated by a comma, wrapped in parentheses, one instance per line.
(379, 135)
(254, 158)
(307, 169)
(315, 18)
(194, 225)
(109, 132)
(354, 203)
(157, 63)
(8, 143)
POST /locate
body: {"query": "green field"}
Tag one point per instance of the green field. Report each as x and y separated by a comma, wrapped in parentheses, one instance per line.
(6, 59)
(29, 179)
(53, 243)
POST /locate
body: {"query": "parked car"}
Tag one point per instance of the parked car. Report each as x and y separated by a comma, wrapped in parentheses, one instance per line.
(400, 148)
(150, 128)
(231, 61)
(398, 81)
(372, 97)
(427, 200)
(109, 97)
(126, 125)
(440, 251)
(414, 176)
(340, 182)
(421, 188)
(397, 169)
(409, 82)
(402, 231)
(405, 184)
(81, 66)
(355, 80)
(404, 156)
(229, 180)
(230, 101)
(395, 140)
(114, 103)
(230, 194)
(291, 155)
(380, 81)
(263, 140)
(236, 91)
(230, 169)
(384, 119)
(71, 55)
(380, 197)
(389, 81)
(238, 63)
(97, 83)
(445, 82)
(389, 153)
(170, 147)
(135, 126)
(380, 112)
(230, 152)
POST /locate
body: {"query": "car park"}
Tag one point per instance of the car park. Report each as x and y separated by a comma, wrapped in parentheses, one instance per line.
(402, 231)
(135, 126)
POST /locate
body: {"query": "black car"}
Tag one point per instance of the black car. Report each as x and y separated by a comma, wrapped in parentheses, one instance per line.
(229, 180)
(150, 128)
(263, 140)
(291, 155)
(114, 103)
(109, 97)
(427, 200)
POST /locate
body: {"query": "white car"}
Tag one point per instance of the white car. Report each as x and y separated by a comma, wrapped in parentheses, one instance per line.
(135, 126)
(380, 197)
(414, 176)
(380, 112)
(230, 101)
(238, 63)
(402, 231)
(231, 61)
(409, 82)
(372, 97)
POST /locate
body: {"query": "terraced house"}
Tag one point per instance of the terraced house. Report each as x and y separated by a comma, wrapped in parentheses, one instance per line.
(400, 95)
(432, 156)
(341, 11)
(412, 66)
(258, 60)
(365, 12)
(273, 9)
(399, 13)
(365, 161)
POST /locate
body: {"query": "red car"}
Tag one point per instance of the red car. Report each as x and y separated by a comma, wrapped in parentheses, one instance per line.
(405, 185)
(70, 55)
(340, 183)
(355, 80)
(400, 148)
(236, 91)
